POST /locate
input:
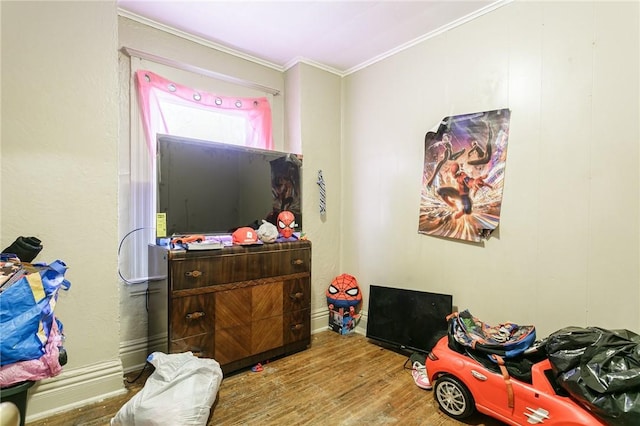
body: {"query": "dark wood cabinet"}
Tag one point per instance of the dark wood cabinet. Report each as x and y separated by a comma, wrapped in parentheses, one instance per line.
(239, 305)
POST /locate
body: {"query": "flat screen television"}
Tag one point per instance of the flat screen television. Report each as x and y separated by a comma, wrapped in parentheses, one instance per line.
(213, 188)
(407, 320)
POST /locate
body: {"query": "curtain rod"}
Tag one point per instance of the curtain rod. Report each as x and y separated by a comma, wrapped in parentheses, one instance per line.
(191, 68)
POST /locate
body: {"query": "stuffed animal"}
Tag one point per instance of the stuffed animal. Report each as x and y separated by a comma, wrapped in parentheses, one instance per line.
(344, 299)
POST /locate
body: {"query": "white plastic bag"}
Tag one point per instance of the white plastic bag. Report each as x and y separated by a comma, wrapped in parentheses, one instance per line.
(180, 391)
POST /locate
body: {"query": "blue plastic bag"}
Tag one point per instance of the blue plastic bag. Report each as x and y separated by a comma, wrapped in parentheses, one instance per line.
(26, 312)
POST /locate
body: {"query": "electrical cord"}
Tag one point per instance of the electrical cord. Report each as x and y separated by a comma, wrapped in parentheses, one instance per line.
(147, 364)
(139, 280)
(415, 356)
(407, 364)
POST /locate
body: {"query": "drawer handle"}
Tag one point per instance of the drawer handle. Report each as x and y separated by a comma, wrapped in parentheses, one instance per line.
(296, 296)
(193, 274)
(194, 315)
(297, 262)
(297, 327)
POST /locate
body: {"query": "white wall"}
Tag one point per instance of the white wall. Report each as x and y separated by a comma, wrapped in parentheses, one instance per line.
(567, 248)
(59, 160)
(318, 113)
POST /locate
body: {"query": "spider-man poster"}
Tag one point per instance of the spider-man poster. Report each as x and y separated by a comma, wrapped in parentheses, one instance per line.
(285, 187)
(463, 177)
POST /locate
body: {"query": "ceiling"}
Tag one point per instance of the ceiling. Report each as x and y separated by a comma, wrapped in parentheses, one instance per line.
(341, 36)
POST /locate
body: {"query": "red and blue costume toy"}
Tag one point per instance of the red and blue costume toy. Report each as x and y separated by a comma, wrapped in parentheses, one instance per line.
(345, 299)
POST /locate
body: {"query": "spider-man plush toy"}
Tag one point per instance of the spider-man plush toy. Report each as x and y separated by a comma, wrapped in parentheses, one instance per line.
(344, 298)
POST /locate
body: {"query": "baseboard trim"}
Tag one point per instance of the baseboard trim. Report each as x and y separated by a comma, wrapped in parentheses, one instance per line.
(74, 388)
(319, 320)
(77, 387)
(134, 353)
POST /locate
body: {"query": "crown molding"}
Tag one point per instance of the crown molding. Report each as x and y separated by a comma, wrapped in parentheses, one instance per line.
(303, 60)
(196, 39)
(489, 8)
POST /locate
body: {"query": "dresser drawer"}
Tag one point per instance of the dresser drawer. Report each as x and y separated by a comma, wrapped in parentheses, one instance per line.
(203, 272)
(283, 262)
(201, 346)
(297, 294)
(191, 315)
(297, 326)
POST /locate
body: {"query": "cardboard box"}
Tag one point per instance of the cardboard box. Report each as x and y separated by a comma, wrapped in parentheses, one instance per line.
(342, 322)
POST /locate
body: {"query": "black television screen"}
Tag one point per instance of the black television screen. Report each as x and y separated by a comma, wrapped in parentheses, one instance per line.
(407, 319)
(213, 188)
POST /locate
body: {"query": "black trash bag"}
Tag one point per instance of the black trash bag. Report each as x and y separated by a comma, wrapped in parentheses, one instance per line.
(600, 369)
(26, 248)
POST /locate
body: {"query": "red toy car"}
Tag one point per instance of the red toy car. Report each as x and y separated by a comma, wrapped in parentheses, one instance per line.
(462, 384)
(186, 239)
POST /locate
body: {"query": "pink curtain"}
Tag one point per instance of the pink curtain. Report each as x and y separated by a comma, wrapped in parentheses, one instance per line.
(154, 90)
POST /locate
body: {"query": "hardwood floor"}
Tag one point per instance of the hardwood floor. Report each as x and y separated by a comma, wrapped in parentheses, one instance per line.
(339, 380)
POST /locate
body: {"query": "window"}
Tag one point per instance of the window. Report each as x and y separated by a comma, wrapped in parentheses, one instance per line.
(177, 110)
(166, 107)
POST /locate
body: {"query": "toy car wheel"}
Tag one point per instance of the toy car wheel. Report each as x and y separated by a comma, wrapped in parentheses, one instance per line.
(453, 397)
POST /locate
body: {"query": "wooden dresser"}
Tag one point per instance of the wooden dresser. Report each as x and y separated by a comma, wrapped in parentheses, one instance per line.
(239, 305)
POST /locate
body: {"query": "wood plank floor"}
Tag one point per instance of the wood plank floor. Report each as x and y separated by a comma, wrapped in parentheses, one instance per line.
(339, 380)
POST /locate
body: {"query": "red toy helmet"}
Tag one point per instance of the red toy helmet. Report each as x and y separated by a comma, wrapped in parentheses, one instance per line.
(286, 223)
